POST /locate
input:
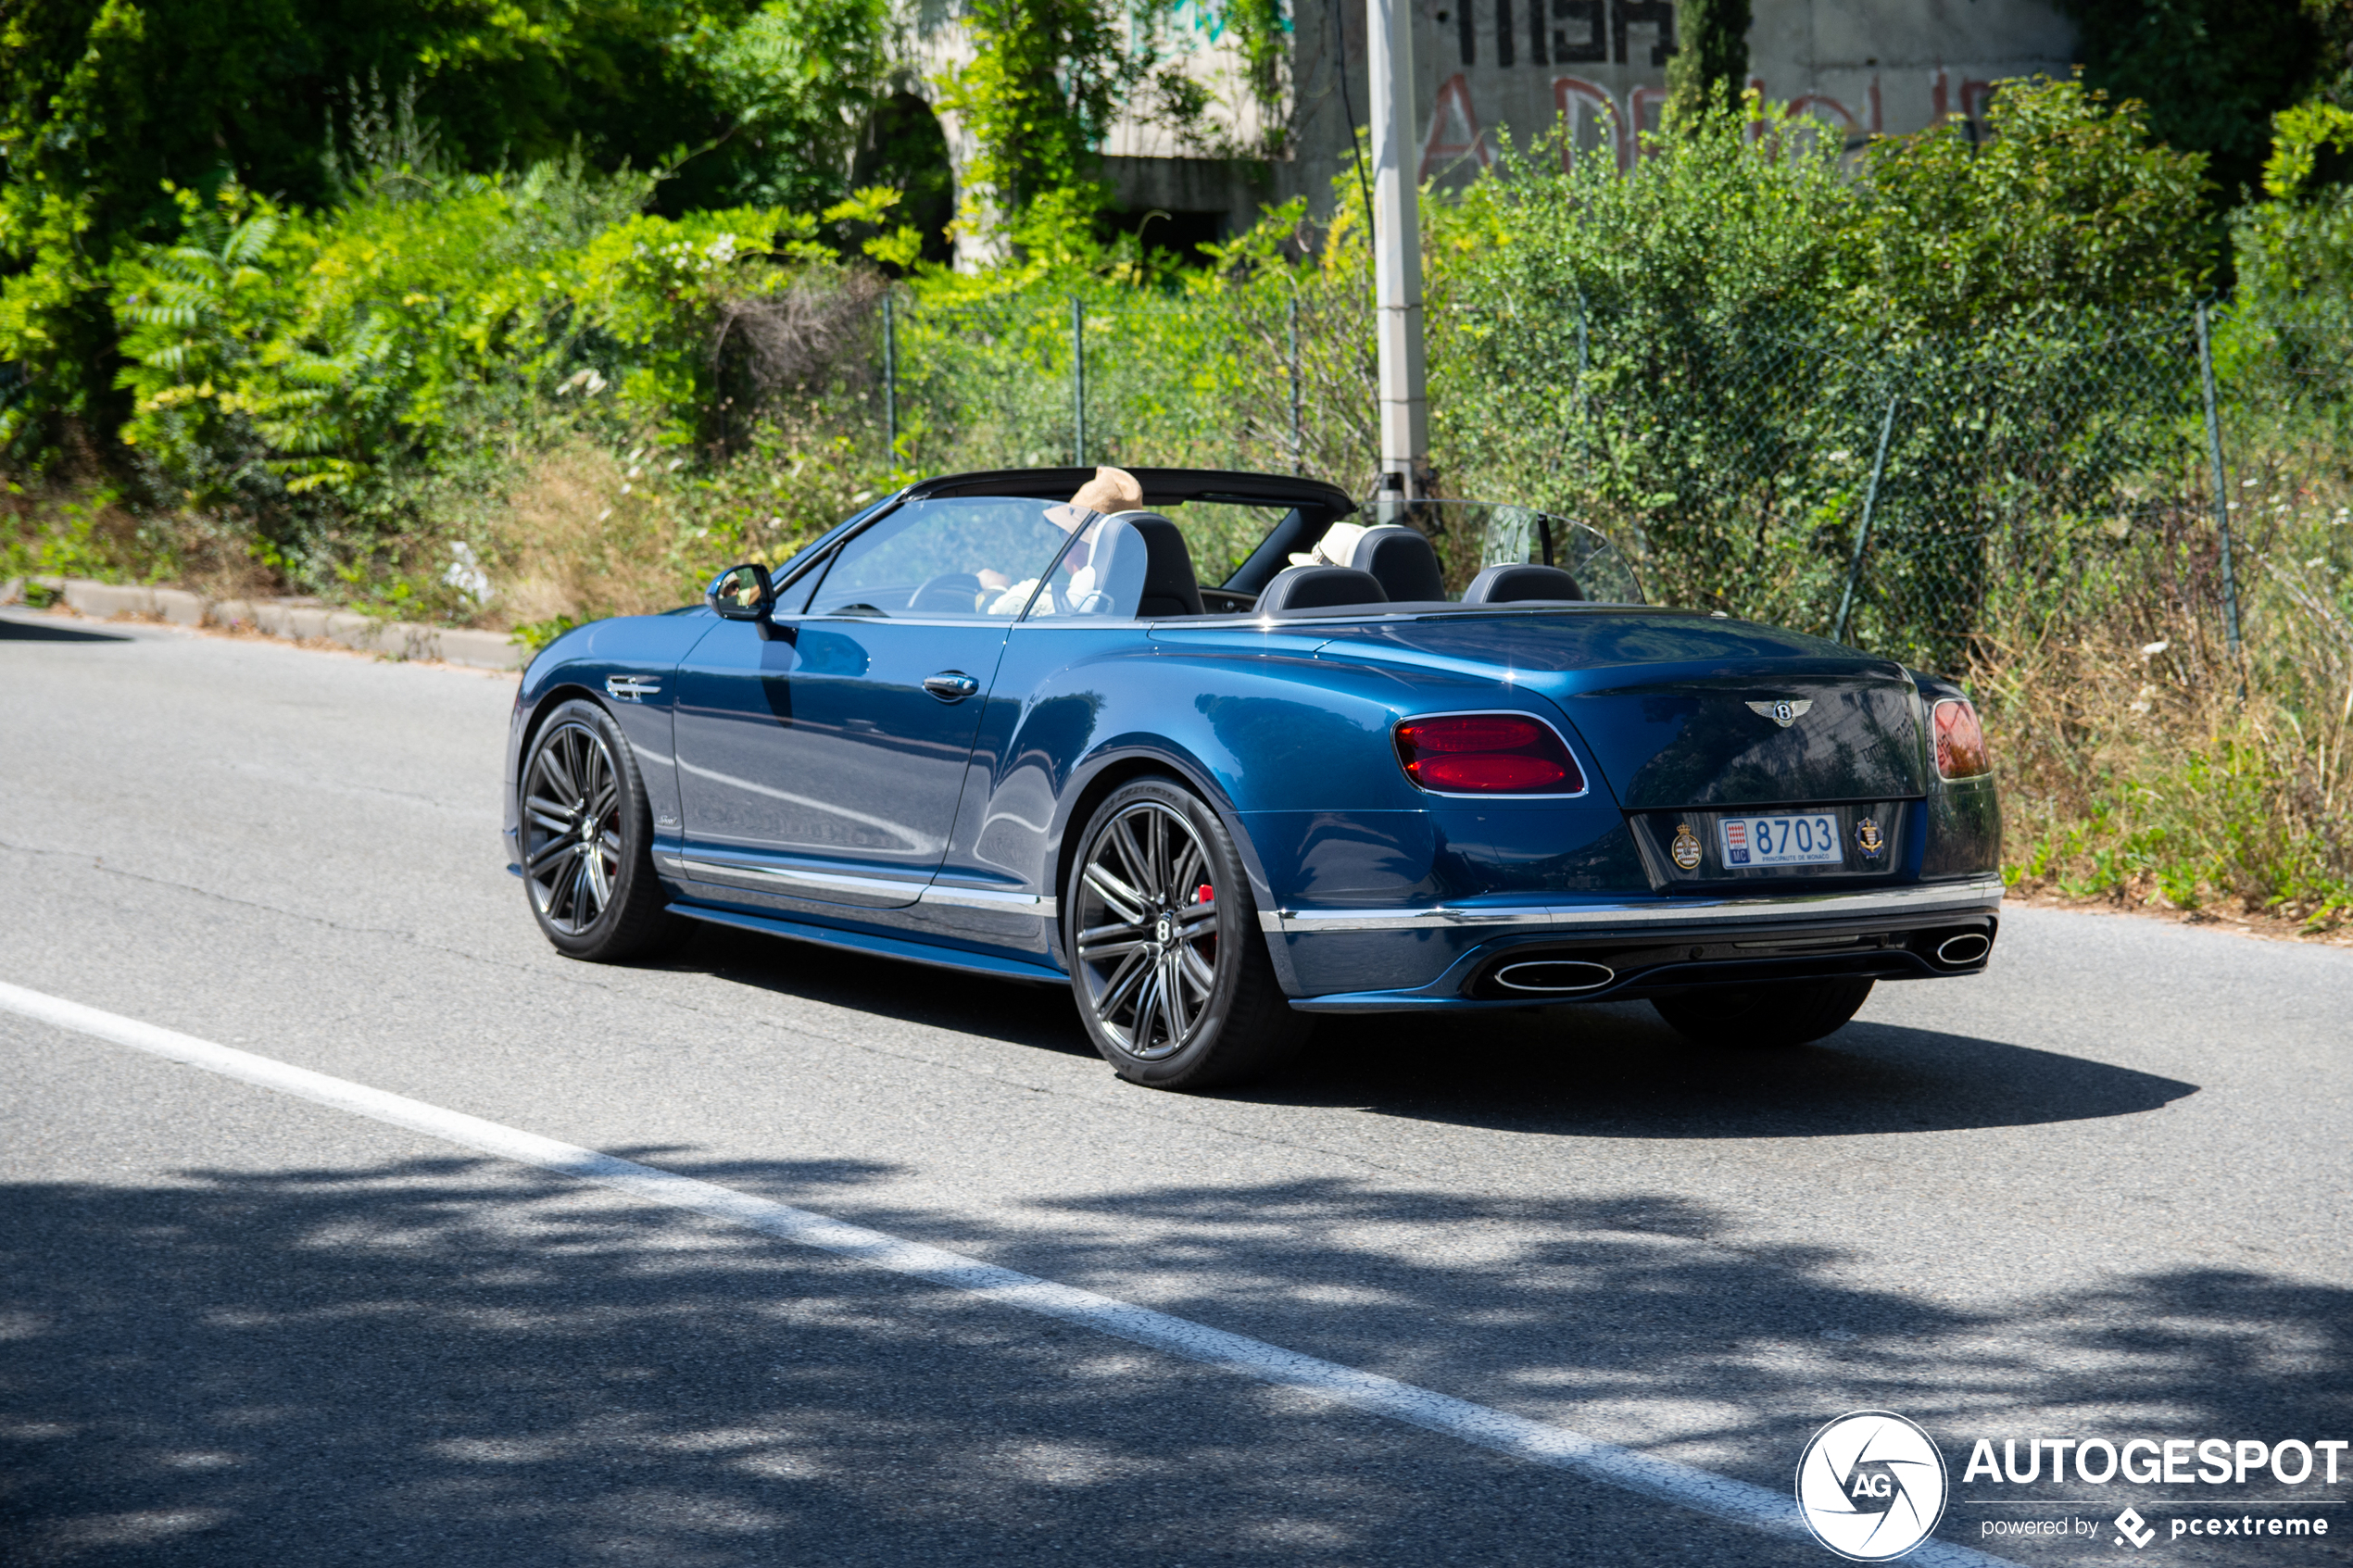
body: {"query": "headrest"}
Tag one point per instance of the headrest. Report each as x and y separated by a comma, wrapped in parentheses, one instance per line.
(1510, 584)
(1318, 588)
(1400, 560)
(1143, 569)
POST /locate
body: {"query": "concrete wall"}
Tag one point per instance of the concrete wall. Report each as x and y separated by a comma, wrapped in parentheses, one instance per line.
(1488, 68)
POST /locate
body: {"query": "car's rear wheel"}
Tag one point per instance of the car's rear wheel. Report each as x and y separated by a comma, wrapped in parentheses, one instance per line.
(586, 841)
(1787, 1012)
(1170, 971)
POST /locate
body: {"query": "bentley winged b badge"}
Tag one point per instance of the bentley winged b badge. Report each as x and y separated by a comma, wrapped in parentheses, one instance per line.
(1783, 711)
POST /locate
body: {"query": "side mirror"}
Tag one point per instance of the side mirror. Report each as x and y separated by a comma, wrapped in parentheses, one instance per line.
(742, 593)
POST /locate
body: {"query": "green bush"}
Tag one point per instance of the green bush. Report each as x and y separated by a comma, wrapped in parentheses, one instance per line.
(105, 105)
(327, 374)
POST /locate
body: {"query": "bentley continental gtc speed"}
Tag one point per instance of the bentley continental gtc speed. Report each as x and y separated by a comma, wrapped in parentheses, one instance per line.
(997, 722)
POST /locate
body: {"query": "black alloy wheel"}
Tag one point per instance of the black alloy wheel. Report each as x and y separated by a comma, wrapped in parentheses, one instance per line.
(1170, 973)
(1765, 1017)
(587, 839)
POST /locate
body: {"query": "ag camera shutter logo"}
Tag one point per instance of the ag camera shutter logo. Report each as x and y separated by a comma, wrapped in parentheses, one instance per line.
(1871, 1485)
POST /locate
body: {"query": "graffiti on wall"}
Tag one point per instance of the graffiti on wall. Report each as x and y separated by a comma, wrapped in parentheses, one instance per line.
(1566, 31)
(1598, 123)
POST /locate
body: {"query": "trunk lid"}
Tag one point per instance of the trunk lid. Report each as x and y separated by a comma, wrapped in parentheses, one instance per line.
(1682, 709)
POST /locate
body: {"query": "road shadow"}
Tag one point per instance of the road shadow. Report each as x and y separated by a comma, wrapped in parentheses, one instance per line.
(1596, 1070)
(13, 630)
(457, 1362)
(1620, 1071)
(1018, 1012)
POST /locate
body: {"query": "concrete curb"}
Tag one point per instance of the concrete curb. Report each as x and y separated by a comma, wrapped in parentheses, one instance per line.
(298, 620)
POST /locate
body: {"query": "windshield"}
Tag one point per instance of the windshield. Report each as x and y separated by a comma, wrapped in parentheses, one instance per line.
(1001, 557)
(953, 560)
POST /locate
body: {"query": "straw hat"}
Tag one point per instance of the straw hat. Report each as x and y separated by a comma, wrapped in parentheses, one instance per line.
(1111, 490)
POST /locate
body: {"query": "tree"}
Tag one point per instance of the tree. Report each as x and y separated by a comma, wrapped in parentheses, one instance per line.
(1709, 67)
(1046, 80)
(1050, 77)
(101, 102)
(2212, 72)
(2072, 205)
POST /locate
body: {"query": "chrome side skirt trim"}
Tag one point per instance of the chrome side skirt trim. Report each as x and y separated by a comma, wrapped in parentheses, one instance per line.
(1004, 901)
(1977, 893)
(823, 882)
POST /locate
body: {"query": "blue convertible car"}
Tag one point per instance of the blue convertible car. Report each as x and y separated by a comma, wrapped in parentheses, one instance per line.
(983, 725)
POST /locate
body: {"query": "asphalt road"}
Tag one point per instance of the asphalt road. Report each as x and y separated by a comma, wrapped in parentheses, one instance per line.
(2101, 1192)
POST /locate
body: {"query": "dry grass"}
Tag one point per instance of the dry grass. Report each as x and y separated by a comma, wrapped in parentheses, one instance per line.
(79, 527)
(588, 532)
(2147, 767)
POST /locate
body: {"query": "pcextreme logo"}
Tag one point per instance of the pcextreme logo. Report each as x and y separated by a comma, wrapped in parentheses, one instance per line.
(1871, 1485)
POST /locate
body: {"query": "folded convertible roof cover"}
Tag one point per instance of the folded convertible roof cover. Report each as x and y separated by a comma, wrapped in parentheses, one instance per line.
(1162, 487)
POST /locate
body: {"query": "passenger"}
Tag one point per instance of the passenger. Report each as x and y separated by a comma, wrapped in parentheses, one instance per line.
(1111, 491)
(1334, 548)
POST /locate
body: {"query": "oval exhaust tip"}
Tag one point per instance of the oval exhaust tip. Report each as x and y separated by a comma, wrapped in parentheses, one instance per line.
(1555, 975)
(1968, 948)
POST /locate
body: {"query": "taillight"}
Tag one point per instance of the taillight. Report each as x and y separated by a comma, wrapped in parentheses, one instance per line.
(1961, 741)
(1487, 754)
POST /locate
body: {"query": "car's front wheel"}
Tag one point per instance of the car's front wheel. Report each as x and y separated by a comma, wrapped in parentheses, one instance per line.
(1788, 1012)
(1170, 971)
(586, 840)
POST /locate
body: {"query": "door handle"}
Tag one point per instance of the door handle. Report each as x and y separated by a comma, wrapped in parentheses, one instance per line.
(950, 685)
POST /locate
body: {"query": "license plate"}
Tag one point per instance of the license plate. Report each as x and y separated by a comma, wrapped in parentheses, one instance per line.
(1780, 841)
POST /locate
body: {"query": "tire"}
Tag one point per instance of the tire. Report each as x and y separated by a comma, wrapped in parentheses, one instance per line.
(1767, 1017)
(1175, 991)
(596, 897)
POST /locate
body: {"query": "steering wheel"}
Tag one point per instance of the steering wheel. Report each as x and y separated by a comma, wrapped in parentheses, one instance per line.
(954, 591)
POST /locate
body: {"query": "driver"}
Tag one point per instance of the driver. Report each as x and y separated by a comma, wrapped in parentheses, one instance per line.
(1111, 491)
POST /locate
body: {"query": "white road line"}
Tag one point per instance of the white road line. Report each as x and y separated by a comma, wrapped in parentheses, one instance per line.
(1664, 1480)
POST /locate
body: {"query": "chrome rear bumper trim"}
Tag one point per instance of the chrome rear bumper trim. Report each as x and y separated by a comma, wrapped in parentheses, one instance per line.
(1976, 894)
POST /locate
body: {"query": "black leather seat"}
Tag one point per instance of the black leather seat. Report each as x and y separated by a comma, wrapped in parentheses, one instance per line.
(1148, 547)
(1319, 587)
(1401, 561)
(1512, 584)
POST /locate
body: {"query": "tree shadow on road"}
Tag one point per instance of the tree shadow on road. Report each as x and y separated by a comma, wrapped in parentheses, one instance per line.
(13, 630)
(456, 1361)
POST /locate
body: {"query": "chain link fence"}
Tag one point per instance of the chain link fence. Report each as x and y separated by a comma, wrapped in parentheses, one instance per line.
(1942, 501)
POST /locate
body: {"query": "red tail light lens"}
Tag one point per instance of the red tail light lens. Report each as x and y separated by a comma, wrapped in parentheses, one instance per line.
(1487, 754)
(1961, 741)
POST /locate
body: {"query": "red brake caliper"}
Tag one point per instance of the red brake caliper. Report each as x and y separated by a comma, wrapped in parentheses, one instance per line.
(1202, 895)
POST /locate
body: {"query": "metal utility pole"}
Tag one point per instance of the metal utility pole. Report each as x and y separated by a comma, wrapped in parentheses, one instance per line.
(1863, 534)
(1397, 254)
(1078, 383)
(2221, 492)
(890, 378)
